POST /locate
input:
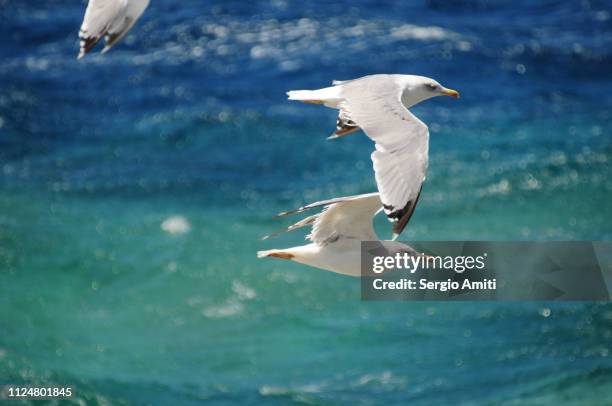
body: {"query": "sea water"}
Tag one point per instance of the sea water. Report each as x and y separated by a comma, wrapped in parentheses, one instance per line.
(134, 188)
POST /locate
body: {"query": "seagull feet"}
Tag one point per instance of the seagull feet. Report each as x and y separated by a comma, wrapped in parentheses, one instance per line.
(275, 254)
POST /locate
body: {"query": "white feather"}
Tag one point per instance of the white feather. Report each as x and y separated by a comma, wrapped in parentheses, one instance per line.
(108, 18)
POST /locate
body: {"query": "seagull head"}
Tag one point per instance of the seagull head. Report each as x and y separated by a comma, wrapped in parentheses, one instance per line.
(420, 88)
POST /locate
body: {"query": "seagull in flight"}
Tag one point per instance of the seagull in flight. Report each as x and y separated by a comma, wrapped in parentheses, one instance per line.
(336, 235)
(111, 19)
(378, 105)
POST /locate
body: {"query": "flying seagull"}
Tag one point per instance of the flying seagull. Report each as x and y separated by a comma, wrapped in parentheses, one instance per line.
(336, 235)
(111, 19)
(378, 105)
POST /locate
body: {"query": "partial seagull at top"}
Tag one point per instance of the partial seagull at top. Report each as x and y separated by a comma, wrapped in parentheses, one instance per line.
(111, 19)
(336, 235)
(378, 105)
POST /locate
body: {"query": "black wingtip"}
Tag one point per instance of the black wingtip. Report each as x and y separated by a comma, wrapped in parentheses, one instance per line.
(402, 217)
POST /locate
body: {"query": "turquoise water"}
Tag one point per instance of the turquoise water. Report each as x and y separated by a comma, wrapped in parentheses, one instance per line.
(188, 119)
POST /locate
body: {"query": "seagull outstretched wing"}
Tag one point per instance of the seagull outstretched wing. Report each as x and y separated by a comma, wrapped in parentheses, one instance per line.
(343, 217)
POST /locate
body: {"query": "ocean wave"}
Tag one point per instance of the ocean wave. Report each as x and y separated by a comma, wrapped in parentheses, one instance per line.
(233, 305)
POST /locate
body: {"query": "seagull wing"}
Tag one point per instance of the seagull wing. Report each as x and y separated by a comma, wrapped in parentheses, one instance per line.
(100, 15)
(343, 217)
(402, 142)
(133, 12)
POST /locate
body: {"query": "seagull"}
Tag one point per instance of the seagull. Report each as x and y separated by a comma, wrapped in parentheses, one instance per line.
(111, 19)
(336, 235)
(378, 105)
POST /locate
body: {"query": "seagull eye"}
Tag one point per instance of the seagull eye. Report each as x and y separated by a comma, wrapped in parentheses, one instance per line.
(431, 86)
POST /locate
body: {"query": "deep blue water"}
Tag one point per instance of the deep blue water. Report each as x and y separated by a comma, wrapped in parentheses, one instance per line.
(188, 117)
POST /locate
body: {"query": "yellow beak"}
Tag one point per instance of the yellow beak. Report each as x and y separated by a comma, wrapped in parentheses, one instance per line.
(451, 93)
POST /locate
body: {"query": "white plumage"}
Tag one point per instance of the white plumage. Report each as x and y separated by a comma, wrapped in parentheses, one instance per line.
(111, 19)
(378, 104)
(336, 235)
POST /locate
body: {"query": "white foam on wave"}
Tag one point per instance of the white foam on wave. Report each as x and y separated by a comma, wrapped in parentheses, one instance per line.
(270, 390)
(244, 292)
(291, 44)
(423, 33)
(227, 309)
(176, 225)
(234, 305)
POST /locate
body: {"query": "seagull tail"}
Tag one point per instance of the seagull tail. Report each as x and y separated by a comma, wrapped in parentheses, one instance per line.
(328, 96)
(283, 254)
(306, 96)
